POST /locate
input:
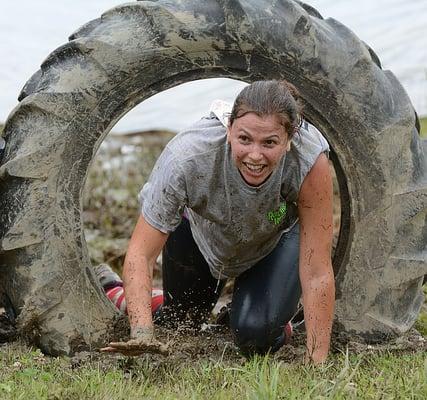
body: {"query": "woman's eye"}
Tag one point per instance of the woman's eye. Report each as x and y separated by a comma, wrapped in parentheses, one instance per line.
(270, 142)
(243, 138)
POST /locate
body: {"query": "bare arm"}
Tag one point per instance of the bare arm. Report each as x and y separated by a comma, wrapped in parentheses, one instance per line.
(144, 247)
(315, 266)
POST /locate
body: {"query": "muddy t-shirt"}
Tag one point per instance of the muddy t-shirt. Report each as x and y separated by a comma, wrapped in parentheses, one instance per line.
(234, 224)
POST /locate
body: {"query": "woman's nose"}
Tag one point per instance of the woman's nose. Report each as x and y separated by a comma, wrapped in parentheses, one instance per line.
(255, 154)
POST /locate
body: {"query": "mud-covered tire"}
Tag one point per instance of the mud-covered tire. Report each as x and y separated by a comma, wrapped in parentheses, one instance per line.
(138, 49)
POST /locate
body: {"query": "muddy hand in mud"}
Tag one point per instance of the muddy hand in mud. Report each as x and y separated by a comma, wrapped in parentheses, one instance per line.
(137, 346)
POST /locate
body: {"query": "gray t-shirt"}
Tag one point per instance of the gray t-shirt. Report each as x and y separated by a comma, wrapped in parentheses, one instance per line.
(234, 224)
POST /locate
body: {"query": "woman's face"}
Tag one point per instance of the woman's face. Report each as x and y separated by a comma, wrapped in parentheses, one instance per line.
(257, 145)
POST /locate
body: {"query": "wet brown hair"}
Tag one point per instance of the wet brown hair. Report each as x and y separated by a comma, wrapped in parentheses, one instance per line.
(273, 97)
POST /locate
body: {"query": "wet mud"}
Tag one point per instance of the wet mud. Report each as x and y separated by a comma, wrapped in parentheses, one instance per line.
(215, 344)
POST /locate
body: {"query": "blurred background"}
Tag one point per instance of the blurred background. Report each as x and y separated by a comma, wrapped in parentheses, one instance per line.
(30, 30)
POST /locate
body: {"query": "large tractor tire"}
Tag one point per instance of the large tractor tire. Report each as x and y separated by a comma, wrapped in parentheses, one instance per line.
(139, 49)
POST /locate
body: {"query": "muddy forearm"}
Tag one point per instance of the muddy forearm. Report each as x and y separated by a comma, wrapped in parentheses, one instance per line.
(137, 282)
(319, 302)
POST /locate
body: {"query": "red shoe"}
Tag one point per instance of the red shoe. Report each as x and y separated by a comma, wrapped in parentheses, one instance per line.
(156, 300)
(117, 297)
(288, 332)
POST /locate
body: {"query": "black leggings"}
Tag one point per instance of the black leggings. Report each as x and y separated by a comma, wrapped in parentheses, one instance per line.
(265, 297)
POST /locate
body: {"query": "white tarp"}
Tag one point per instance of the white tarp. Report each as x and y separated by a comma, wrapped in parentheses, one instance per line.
(30, 30)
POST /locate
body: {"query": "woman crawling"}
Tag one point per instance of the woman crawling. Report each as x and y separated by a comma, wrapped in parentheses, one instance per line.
(249, 199)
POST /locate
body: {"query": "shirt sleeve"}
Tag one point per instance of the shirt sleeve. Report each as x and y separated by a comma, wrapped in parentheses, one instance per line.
(306, 147)
(163, 197)
(322, 142)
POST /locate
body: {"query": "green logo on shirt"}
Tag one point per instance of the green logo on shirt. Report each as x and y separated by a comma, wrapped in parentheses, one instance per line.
(277, 216)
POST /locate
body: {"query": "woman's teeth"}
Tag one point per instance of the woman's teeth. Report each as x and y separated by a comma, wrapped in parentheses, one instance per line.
(254, 167)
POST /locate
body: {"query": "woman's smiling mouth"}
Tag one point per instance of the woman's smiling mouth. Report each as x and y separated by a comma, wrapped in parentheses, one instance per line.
(255, 169)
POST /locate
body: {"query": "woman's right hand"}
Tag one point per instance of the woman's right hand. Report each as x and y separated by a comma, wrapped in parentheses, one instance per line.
(144, 247)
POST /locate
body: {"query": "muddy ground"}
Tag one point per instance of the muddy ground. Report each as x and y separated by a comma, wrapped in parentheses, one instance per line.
(110, 210)
(214, 343)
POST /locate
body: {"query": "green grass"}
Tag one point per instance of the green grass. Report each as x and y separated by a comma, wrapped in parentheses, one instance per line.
(423, 122)
(26, 373)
